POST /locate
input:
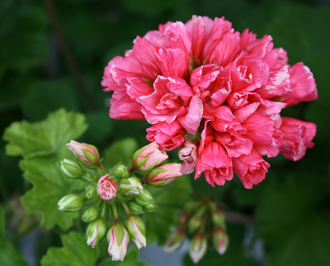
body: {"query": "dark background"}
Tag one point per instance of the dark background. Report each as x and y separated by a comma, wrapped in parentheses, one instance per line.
(290, 209)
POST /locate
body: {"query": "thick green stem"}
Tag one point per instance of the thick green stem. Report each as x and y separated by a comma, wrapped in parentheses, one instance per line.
(126, 207)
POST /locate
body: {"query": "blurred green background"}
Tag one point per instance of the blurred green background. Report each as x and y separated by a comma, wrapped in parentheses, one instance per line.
(290, 209)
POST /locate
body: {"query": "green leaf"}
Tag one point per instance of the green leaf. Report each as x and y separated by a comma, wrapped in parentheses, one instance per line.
(121, 151)
(42, 145)
(45, 138)
(9, 256)
(75, 252)
(170, 200)
(131, 258)
(293, 219)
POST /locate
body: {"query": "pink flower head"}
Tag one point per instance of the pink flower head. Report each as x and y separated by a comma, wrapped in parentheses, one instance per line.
(188, 154)
(118, 239)
(86, 153)
(164, 174)
(107, 188)
(226, 88)
(149, 156)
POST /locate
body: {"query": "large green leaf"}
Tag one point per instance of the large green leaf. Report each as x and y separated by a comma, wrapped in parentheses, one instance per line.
(170, 200)
(9, 256)
(42, 145)
(293, 219)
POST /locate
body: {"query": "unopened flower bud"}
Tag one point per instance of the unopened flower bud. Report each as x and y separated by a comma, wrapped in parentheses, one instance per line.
(218, 218)
(71, 168)
(151, 207)
(144, 198)
(175, 241)
(220, 240)
(86, 153)
(121, 171)
(148, 157)
(197, 247)
(107, 188)
(134, 207)
(183, 218)
(91, 192)
(118, 239)
(71, 203)
(87, 177)
(194, 223)
(136, 229)
(95, 232)
(130, 186)
(89, 214)
(164, 174)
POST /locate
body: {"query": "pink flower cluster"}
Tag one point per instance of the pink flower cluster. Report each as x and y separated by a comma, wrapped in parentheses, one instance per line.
(215, 93)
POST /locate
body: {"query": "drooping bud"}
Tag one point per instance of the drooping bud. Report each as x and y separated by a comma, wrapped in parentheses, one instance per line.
(107, 188)
(220, 240)
(71, 168)
(118, 239)
(134, 207)
(89, 214)
(183, 218)
(194, 223)
(149, 156)
(86, 153)
(197, 247)
(121, 171)
(71, 203)
(137, 231)
(175, 240)
(188, 154)
(144, 198)
(218, 218)
(95, 232)
(130, 186)
(164, 174)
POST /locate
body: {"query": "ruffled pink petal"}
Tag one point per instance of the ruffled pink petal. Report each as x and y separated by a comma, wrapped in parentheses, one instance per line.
(188, 154)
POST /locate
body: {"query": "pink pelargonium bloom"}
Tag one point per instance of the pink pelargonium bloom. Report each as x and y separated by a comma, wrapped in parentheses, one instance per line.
(118, 239)
(149, 156)
(297, 137)
(107, 188)
(164, 174)
(86, 153)
(188, 154)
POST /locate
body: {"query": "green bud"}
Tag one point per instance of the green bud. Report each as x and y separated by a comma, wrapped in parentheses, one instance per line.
(151, 207)
(87, 177)
(71, 168)
(144, 198)
(134, 207)
(91, 192)
(218, 218)
(89, 214)
(130, 186)
(194, 223)
(71, 203)
(95, 232)
(121, 171)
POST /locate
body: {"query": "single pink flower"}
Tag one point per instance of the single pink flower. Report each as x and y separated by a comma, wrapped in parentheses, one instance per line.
(107, 188)
(251, 169)
(164, 174)
(149, 156)
(297, 137)
(188, 154)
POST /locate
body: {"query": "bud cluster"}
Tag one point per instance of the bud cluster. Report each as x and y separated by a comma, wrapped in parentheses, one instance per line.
(110, 193)
(203, 223)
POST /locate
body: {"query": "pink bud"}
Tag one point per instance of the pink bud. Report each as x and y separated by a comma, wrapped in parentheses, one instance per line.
(164, 174)
(149, 156)
(188, 153)
(118, 239)
(220, 240)
(197, 247)
(107, 188)
(86, 153)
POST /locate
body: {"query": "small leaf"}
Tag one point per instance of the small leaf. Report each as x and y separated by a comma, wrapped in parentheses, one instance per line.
(9, 256)
(170, 201)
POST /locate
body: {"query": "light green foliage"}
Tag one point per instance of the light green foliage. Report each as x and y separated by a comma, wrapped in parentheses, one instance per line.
(169, 201)
(9, 256)
(42, 146)
(294, 223)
